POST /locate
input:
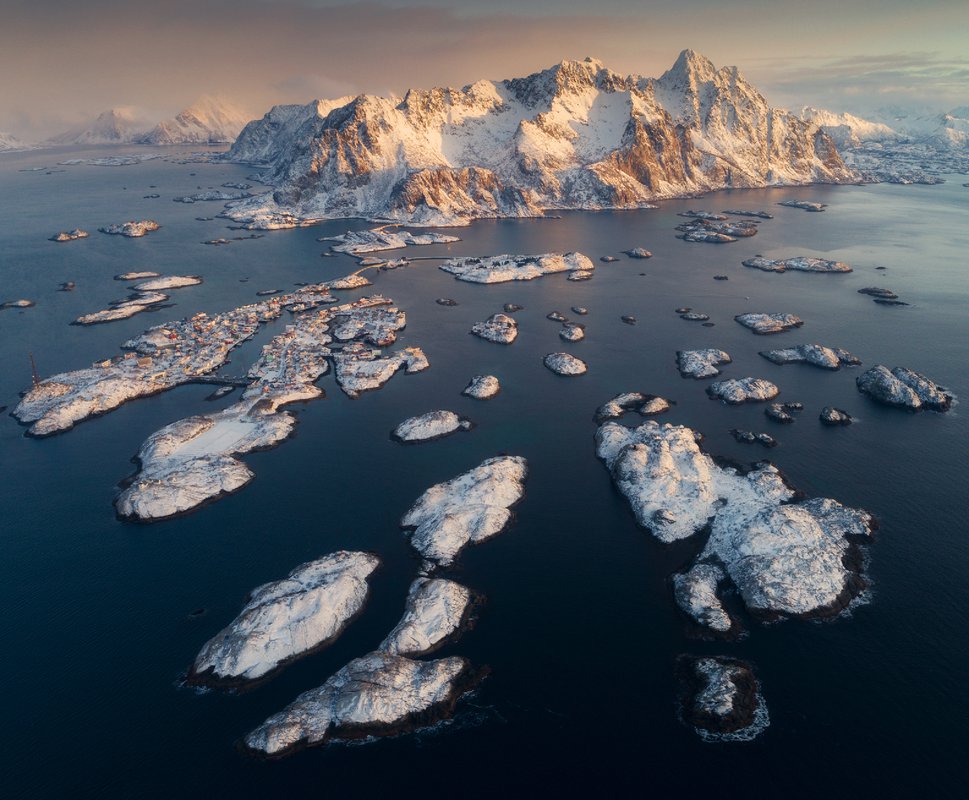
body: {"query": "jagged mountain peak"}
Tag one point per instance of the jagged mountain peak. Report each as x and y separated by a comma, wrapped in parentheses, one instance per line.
(575, 135)
(691, 66)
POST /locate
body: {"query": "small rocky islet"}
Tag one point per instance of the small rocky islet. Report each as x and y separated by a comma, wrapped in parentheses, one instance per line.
(766, 324)
(798, 264)
(482, 387)
(743, 390)
(904, 388)
(498, 328)
(132, 229)
(701, 363)
(432, 425)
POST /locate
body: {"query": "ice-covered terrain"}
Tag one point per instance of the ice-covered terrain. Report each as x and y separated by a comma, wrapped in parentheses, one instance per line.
(577, 135)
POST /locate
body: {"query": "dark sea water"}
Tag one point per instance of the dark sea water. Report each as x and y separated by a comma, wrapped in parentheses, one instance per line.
(579, 629)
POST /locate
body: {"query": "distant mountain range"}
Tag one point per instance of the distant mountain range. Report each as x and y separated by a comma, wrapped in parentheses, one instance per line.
(577, 135)
(209, 120)
(899, 145)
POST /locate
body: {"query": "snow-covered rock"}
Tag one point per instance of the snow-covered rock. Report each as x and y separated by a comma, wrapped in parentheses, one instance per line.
(697, 594)
(132, 228)
(136, 276)
(209, 120)
(903, 387)
(498, 328)
(701, 363)
(361, 369)
(192, 461)
(672, 486)
(482, 387)
(565, 364)
(435, 612)
(374, 695)
(644, 404)
(816, 355)
(69, 236)
(574, 136)
(385, 238)
(798, 264)
(765, 324)
(790, 560)
(432, 425)
(286, 619)
(571, 332)
(740, 212)
(124, 309)
(721, 699)
(785, 559)
(465, 510)
(503, 268)
(835, 416)
(708, 230)
(212, 195)
(743, 390)
(782, 412)
(804, 205)
(639, 252)
(749, 437)
(163, 283)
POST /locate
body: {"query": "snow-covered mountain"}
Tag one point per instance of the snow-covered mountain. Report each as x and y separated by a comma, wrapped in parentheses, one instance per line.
(577, 135)
(897, 144)
(114, 126)
(10, 142)
(848, 130)
(209, 120)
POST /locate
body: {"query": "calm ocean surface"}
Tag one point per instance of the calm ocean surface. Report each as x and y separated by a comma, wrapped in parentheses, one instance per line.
(579, 629)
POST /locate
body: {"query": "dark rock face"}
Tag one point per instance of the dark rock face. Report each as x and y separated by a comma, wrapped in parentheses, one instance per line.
(835, 416)
(782, 412)
(875, 291)
(749, 437)
(720, 697)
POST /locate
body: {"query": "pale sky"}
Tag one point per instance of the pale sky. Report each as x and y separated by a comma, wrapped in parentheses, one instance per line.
(65, 62)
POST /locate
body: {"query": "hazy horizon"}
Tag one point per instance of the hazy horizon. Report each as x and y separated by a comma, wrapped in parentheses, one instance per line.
(73, 62)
